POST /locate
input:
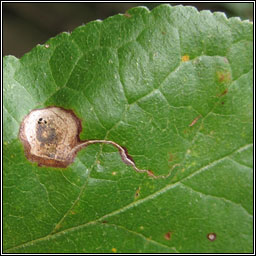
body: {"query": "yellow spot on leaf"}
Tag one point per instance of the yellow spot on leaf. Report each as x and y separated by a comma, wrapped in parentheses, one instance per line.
(185, 58)
(114, 250)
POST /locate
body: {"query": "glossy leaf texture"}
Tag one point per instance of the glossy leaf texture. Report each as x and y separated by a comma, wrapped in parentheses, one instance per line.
(171, 85)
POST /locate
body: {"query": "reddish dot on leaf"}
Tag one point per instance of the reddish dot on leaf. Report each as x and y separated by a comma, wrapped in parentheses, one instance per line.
(211, 236)
(168, 235)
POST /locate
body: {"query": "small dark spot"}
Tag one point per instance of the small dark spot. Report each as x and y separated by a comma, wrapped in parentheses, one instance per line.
(104, 221)
(168, 236)
(163, 32)
(222, 102)
(45, 121)
(40, 119)
(137, 193)
(211, 236)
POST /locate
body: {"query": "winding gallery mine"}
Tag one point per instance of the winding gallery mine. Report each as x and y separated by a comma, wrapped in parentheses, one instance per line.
(51, 138)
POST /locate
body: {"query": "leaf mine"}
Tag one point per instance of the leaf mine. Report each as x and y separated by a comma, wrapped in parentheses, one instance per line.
(50, 137)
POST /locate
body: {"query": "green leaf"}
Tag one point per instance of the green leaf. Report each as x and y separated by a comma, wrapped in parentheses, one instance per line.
(173, 86)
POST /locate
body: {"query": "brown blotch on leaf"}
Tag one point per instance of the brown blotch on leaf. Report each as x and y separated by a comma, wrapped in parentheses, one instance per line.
(49, 135)
(211, 236)
(168, 236)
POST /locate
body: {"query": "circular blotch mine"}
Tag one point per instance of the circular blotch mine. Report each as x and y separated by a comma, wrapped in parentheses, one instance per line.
(49, 135)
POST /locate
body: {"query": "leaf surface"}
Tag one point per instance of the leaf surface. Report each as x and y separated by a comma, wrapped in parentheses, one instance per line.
(174, 87)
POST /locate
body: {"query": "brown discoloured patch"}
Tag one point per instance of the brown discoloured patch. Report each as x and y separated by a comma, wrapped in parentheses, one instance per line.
(223, 93)
(195, 121)
(185, 58)
(211, 236)
(49, 135)
(224, 76)
(168, 236)
(163, 32)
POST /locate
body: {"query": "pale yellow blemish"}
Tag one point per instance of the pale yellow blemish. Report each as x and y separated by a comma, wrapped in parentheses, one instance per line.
(185, 58)
(114, 250)
(114, 173)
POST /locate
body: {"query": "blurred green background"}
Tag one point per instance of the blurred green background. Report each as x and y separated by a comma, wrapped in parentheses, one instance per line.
(27, 24)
